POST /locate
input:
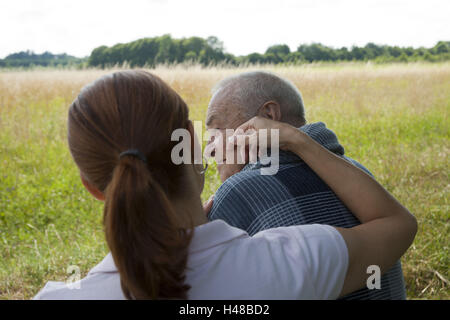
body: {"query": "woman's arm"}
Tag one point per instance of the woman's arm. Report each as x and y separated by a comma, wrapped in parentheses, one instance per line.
(387, 228)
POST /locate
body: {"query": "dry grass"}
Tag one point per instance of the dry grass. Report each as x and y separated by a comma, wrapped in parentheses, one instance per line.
(393, 119)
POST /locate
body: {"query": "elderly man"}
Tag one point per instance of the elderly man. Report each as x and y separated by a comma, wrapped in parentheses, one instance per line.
(295, 194)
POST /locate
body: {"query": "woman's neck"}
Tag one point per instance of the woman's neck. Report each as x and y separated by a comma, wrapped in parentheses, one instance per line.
(190, 210)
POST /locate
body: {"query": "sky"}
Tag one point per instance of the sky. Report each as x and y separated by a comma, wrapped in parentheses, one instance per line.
(245, 26)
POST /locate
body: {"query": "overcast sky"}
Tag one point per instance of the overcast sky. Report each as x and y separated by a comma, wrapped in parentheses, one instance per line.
(245, 26)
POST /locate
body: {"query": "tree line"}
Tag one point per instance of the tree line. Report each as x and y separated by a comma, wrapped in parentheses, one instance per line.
(149, 52)
(165, 49)
(27, 59)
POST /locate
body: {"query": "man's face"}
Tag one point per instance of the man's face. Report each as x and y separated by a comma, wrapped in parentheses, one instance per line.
(222, 115)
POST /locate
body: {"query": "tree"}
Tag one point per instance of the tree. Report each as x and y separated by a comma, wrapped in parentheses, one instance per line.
(395, 51)
(194, 44)
(343, 54)
(357, 53)
(167, 51)
(279, 49)
(272, 58)
(215, 44)
(190, 56)
(254, 58)
(295, 57)
(442, 47)
(317, 52)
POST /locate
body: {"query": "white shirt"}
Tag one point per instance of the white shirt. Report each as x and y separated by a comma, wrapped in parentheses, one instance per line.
(296, 262)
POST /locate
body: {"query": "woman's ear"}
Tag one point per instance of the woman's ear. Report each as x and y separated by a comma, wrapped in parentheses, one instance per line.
(92, 190)
(270, 110)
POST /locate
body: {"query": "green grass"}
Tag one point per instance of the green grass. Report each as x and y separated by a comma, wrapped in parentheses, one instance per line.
(393, 119)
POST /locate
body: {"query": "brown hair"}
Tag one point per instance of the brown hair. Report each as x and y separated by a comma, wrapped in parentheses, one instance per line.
(135, 110)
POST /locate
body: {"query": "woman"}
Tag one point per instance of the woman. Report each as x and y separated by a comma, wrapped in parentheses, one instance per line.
(162, 246)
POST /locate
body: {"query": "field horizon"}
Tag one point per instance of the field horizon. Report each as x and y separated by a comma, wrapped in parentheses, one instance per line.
(392, 118)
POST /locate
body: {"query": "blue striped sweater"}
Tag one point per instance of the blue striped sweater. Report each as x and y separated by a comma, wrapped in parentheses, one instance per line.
(293, 196)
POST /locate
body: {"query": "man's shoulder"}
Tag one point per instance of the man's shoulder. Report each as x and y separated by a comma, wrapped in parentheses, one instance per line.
(252, 179)
(248, 193)
(244, 195)
(247, 180)
(242, 177)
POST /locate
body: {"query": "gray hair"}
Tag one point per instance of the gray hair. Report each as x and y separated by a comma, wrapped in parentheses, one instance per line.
(250, 90)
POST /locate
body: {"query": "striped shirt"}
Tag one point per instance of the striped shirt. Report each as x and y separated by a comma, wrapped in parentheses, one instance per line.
(295, 195)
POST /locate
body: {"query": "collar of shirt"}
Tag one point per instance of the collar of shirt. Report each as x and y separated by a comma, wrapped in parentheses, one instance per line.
(206, 236)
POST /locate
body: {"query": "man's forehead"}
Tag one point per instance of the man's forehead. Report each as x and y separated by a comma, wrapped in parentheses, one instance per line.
(217, 112)
(212, 119)
(223, 110)
(223, 118)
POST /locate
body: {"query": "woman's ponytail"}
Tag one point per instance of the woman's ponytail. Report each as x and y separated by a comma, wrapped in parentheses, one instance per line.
(149, 247)
(149, 243)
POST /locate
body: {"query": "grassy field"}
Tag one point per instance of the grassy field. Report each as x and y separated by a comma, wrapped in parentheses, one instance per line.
(391, 118)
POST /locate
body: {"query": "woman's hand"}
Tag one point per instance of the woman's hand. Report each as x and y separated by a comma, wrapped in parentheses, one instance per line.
(289, 137)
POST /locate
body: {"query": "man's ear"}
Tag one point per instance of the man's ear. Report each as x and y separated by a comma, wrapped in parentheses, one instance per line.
(92, 190)
(270, 110)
